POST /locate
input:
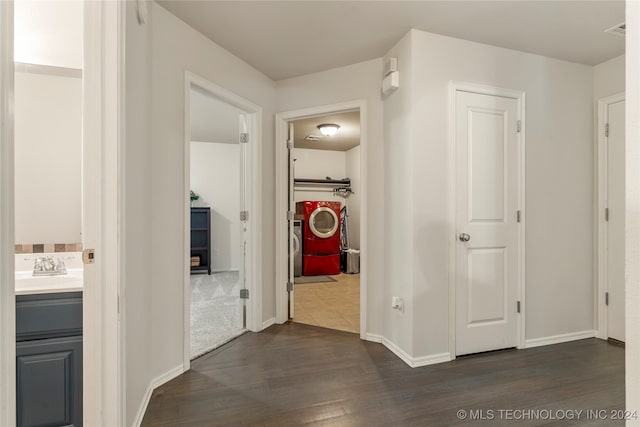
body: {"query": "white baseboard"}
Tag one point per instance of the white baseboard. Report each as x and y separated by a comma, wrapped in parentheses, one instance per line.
(374, 338)
(431, 359)
(155, 383)
(224, 270)
(557, 339)
(414, 362)
(268, 323)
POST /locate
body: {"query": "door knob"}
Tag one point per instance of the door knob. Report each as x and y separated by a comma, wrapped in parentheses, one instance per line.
(464, 237)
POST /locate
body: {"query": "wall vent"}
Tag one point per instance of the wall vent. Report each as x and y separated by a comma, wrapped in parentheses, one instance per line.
(312, 138)
(618, 30)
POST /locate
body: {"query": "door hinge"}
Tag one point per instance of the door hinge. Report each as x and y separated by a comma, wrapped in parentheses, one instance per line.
(606, 214)
(244, 215)
(290, 215)
(518, 307)
(290, 144)
(244, 138)
(244, 293)
(89, 256)
(518, 216)
(519, 126)
(606, 298)
(289, 286)
(118, 303)
(606, 130)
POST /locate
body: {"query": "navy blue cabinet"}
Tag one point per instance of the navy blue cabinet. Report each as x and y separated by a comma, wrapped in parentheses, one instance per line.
(49, 359)
(201, 239)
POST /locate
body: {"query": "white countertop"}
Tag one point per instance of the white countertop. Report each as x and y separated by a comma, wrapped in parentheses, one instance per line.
(27, 284)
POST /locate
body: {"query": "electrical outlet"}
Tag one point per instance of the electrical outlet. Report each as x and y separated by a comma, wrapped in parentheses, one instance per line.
(215, 252)
(397, 304)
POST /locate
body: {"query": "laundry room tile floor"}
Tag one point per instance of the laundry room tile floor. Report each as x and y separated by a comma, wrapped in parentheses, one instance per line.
(333, 305)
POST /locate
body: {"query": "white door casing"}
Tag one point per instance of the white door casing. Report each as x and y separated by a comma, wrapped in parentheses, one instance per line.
(487, 191)
(616, 209)
(251, 197)
(291, 208)
(7, 249)
(283, 244)
(611, 217)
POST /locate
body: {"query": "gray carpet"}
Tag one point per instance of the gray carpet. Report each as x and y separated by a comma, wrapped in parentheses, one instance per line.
(216, 310)
(312, 279)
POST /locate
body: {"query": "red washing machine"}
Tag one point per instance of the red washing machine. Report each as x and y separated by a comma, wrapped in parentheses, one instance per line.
(321, 237)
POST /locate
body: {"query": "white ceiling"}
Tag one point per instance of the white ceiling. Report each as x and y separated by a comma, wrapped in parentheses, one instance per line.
(291, 38)
(347, 137)
(49, 32)
(213, 120)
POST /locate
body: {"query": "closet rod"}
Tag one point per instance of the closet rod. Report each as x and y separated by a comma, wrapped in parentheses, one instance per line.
(345, 181)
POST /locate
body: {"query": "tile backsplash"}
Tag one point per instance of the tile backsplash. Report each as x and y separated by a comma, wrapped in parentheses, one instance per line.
(39, 248)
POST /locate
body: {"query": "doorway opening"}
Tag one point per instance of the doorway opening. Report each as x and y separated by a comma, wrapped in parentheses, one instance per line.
(220, 142)
(50, 222)
(326, 227)
(321, 198)
(611, 217)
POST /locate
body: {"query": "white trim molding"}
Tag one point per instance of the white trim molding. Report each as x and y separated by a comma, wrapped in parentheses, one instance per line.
(414, 362)
(602, 229)
(103, 130)
(268, 322)
(632, 220)
(282, 120)
(252, 197)
(7, 249)
(153, 385)
(374, 338)
(48, 70)
(520, 96)
(557, 339)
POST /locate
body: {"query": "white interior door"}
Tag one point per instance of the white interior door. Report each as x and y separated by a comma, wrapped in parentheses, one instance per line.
(486, 222)
(616, 214)
(291, 208)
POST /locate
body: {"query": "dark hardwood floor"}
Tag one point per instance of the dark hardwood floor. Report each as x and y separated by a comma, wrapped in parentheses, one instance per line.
(296, 374)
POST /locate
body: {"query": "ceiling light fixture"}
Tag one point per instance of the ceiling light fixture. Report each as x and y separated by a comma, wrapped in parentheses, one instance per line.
(328, 129)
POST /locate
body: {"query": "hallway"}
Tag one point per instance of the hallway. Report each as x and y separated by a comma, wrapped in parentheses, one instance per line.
(295, 374)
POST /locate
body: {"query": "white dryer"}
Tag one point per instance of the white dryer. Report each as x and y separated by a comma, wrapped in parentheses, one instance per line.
(297, 248)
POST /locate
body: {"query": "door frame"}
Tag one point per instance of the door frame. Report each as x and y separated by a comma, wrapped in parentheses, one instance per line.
(103, 117)
(7, 231)
(602, 226)
(103, 74)
(253, 174)
(520, 97)
(281, 124)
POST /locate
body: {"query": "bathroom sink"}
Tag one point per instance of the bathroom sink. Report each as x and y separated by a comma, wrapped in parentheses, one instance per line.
(26, 283)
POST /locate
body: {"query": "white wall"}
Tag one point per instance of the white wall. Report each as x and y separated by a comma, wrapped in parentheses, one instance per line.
(398, 203)
(559, 181)
(138, 298)
(608, 78)
(49, 32)
(352, 170)
(215, 176)
(176, 47)
(354, 82)
(632, 247)
(48, 131)
(318, 164)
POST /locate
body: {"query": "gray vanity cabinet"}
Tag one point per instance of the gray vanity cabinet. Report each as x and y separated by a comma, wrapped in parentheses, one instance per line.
(49, 359)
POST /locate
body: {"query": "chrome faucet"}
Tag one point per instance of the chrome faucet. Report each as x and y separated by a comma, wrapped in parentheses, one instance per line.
(47, 266)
